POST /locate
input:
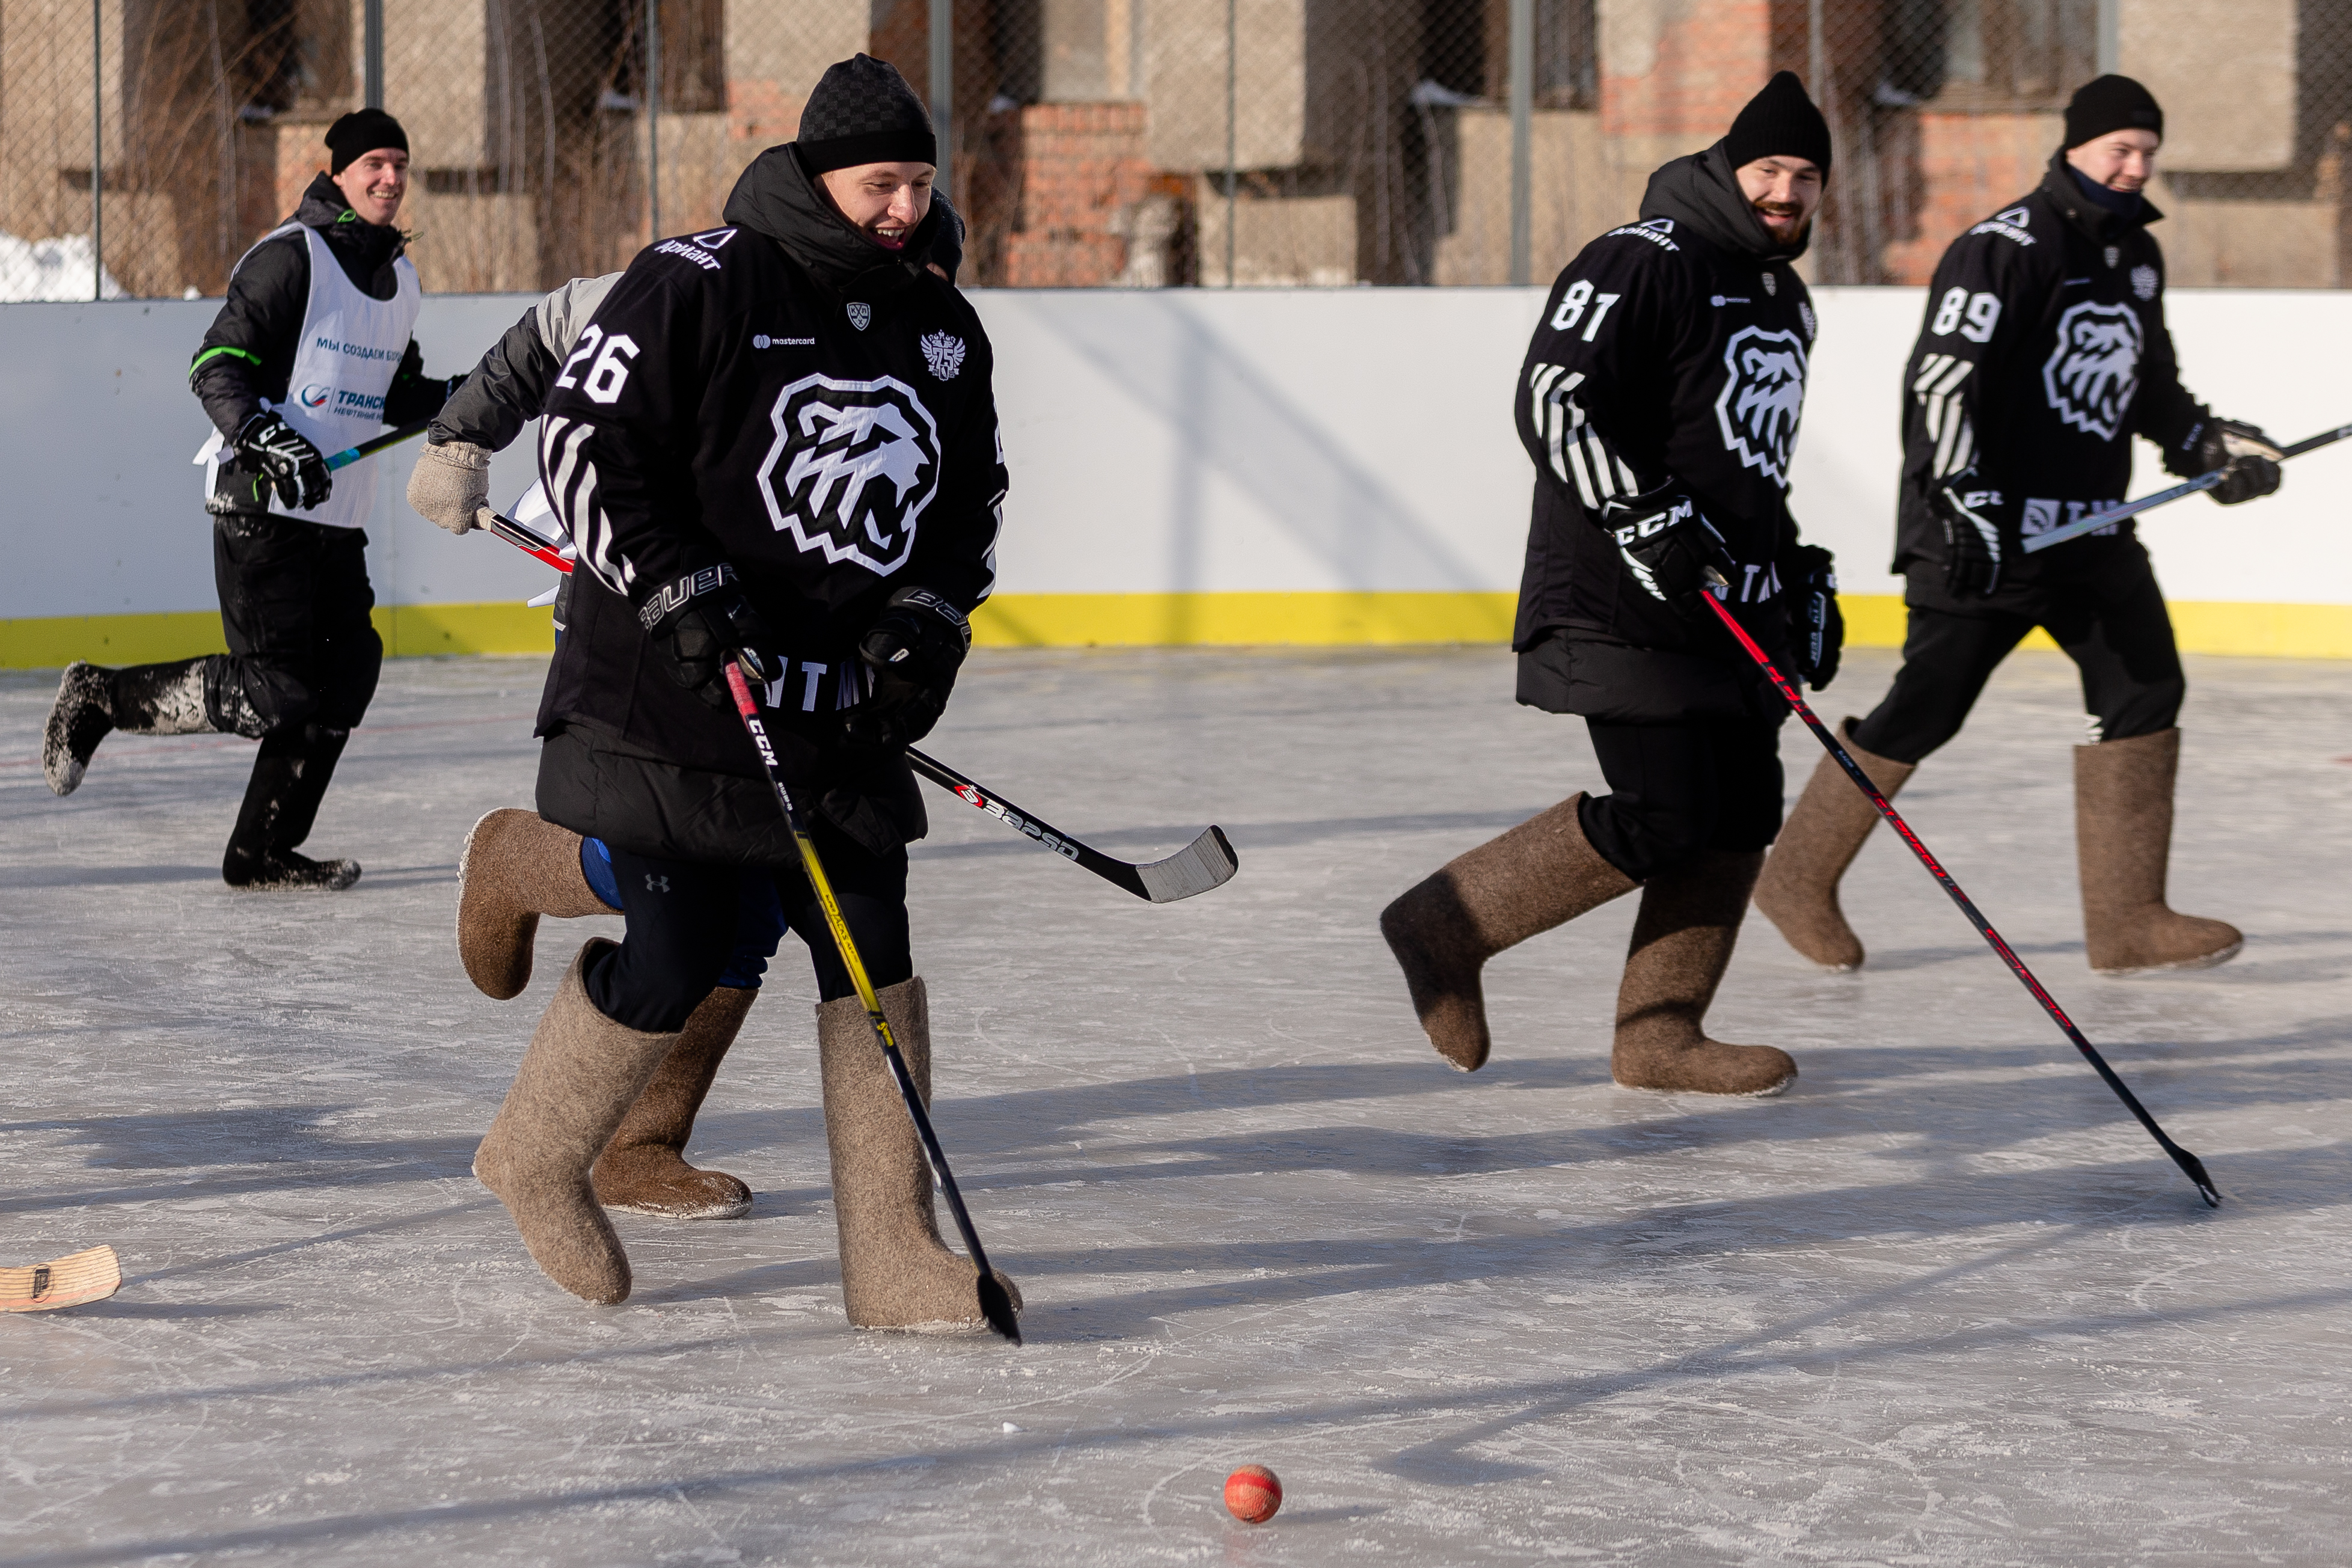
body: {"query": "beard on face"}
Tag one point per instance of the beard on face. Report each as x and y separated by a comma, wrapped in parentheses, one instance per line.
(1782, 210)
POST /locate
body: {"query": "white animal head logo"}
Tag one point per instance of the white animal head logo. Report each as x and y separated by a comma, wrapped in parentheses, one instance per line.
(852, 467)
(2093, 373)
(944, 353)
(2144, 282)
(1762, 399)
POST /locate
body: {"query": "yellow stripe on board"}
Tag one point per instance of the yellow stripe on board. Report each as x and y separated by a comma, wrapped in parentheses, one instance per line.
(1162, 620)
(1127, 620)
(408, 631)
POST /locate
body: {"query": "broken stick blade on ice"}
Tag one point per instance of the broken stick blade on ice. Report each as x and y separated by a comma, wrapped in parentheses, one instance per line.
(85, 1277)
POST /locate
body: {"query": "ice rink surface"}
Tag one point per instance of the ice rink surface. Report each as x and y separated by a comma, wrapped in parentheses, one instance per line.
(1944, 1303)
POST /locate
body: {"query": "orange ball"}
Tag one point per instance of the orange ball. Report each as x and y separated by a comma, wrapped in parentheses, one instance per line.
(1253, 1493)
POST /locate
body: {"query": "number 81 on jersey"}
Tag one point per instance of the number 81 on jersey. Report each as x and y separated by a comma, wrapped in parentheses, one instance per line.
(1571, 309)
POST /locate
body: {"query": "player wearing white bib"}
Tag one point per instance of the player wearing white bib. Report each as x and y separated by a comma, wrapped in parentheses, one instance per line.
(311, 353)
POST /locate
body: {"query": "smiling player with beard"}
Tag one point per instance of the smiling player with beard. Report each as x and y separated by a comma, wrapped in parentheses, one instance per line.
(1659, 401)
(2044, 352)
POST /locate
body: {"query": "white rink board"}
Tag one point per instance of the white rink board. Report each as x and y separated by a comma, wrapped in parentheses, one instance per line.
(1177, 441)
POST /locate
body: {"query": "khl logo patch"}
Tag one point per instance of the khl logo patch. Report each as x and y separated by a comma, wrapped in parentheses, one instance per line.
(861, 314)
(2093, 373)
(852, 467)
(1762, 399)
(2144, 282)
(943, 354)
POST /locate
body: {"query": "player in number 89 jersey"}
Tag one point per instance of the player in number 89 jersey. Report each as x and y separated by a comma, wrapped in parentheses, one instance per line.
(2044, 352)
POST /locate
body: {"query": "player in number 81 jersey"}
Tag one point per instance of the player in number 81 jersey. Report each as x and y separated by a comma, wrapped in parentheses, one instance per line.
(1659, 401)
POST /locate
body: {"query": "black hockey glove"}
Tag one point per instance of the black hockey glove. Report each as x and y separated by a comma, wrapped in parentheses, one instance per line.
(1973, 517)
(913, 651)
(285, 461)
(698, 623)
(1667, 546)
(1809, 576)
(2249, 461)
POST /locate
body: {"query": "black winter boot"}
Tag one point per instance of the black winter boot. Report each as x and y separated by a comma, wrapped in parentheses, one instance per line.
(143, 700)
(281, 801)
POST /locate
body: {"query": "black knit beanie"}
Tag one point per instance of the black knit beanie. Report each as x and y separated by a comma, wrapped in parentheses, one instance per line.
(863, 111)
(1780, 122)
(361, 131)
(2111, 103)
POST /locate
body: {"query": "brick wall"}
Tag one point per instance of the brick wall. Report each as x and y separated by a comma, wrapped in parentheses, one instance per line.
(1082, 172)
(1969, 165)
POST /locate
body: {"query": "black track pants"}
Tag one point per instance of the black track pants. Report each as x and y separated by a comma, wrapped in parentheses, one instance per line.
(684, 918)
(2116, 631)
(294, 600)
(1677, 789)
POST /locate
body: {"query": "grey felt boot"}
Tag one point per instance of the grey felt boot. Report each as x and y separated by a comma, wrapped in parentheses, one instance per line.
(1540, 874)
(895, 1273)
(1683, 938)
(577, 1081)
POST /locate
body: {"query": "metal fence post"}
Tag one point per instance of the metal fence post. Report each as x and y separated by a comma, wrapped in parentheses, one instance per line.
(1232, 136)
(373, 30)
(943, 88)
(97, 151)
(1523, 96)
(652, 120)
(2111, 43)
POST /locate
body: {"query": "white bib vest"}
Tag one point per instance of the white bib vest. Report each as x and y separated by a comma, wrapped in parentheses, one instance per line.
(349, 350)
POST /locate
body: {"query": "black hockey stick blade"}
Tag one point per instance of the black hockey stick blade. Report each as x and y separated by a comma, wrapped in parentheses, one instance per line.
(1207, 862)
(2191, 1166)
(2100, 519)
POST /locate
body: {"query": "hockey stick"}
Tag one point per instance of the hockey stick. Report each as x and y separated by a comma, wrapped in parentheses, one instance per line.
(375, 444)
(994, 1304)
(2189, 1164)
(1207, 862)
(367, 449)
(2096, 520)
(74, 1281)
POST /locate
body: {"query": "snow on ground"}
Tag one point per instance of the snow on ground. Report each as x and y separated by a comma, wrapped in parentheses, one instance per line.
(56, 268)
(1944, 1303)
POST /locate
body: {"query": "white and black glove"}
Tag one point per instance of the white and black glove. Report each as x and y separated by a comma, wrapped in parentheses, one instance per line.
(451, 485)
(2249, 461)
(1973, 515)
(698, 622)
(1667, 546)
(285, 460)
(914, 651)
(1809, 576)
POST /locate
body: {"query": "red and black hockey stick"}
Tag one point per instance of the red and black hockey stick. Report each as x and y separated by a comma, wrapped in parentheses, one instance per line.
(2189, 1164)
(1207, 862)
(994, 1304)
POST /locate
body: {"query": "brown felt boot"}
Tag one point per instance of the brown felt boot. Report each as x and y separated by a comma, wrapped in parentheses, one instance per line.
(2123, 840)
(1798, 889)
(515, 868)
(1682, 942)
(643, 1168)
(1540, 874)
(895, 1273)
(577, 1080)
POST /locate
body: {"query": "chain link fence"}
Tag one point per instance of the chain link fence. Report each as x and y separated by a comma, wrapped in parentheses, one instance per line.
(1143, 143)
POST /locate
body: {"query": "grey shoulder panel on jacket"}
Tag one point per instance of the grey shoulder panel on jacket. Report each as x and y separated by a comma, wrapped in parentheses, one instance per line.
(566, 310)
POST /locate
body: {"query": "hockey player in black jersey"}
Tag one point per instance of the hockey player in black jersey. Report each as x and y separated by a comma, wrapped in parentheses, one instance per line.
(516, 866)
(2044, 352)
(1659, 401)
(775, 442)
